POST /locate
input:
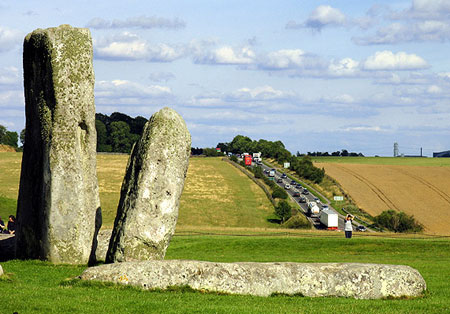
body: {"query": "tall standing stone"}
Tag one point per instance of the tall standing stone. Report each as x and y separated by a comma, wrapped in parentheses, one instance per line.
(151, 190)
(58, 194)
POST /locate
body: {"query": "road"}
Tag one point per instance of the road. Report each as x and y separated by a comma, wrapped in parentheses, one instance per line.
(310, 198)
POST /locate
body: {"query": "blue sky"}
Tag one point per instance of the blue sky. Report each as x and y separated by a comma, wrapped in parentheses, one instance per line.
(319, 76)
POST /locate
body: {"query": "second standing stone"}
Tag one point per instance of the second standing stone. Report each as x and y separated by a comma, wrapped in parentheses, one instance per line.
(151, 190)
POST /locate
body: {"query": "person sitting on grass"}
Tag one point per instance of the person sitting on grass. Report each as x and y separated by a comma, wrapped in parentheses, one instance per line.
(2, 225)
(11, 225)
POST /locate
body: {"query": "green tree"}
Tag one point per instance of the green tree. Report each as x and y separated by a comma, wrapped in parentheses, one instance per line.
(11, 138)
(120, 137)
(241, 144)
(102, 137)
(258, 172)
(2, 133)
(279, 192)
(397, 221)
(283, 210)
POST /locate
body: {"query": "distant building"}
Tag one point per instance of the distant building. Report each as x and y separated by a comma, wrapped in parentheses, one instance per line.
(442, 154)
(396, 154)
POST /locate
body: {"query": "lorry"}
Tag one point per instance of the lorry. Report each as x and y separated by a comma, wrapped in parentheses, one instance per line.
(329, 218)
(313, 209)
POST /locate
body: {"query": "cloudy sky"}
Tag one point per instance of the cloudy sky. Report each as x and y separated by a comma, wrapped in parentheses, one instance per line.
(319, 76)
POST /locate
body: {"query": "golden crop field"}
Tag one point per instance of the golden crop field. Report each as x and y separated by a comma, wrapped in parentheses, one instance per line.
(215, 194)
(422, 191)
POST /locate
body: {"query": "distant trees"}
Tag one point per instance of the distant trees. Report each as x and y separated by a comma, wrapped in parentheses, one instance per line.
(118, 132)
(8, 137)
(342, 153)
(397, 222)
(302, 165)
(283, 210)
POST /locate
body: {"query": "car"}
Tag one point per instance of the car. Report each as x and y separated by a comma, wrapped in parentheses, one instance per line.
(316, 199)
(361, 228)
(324, 206)
(305, 191)
(298, 185)
(279, 180)
(293, 182)
(283, 176)
(302, 199)
(296, 194)
(287, 186)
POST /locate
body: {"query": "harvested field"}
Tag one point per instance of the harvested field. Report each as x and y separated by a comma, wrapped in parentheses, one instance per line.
(417, 190)
(216, 194)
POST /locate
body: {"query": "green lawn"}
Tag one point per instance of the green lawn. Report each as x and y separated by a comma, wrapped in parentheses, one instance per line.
(38, 287)
(402, 161)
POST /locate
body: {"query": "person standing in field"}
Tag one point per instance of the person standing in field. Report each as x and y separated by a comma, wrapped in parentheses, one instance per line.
(348, 228)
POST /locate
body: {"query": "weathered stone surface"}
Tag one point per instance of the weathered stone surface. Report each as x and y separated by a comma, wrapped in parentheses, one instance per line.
(361, 281)
(103, 242)
(1, 270)
(58, 195)
(148, 208)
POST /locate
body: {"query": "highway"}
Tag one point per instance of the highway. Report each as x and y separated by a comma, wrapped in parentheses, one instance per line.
(278, 179)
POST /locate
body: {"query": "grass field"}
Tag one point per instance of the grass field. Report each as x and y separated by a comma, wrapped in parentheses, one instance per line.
(38, 287)
(215, 193)
(397, 183)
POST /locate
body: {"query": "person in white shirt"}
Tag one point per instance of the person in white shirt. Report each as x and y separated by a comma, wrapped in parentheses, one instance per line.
(348, 228)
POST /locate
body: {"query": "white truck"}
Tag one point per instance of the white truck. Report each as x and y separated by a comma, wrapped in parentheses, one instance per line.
(329, 218)
(272, 173)
(313, 209)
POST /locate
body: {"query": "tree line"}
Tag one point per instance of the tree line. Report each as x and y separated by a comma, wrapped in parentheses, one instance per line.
(118, 132)
(302, 165)
(341, 153)
(9, 138)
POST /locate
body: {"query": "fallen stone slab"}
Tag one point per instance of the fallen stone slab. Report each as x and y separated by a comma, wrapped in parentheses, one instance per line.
(150, 195)
(58, 194)
(360, 281)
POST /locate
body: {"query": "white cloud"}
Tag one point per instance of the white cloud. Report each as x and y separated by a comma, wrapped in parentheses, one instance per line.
(344, 67)
(12, 99)
(128, 92)
(387, 60)
(397, 32)
(128, 46)
(226, 55)
(424, 20)
(426, 9)
(144, 22)
(322, 16)
(363, 129)
(161, 76)
(259, 93)
(9, 76)
(434, 89)
(9, 38)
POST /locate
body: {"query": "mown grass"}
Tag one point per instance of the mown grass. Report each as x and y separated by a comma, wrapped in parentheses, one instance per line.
(218, 194)
(401, 161)
(38, 287)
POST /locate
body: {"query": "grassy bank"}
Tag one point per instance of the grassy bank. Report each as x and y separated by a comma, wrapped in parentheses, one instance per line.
(37, 287)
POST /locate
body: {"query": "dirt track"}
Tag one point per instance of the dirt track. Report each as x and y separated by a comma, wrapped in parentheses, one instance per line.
(417, 190)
